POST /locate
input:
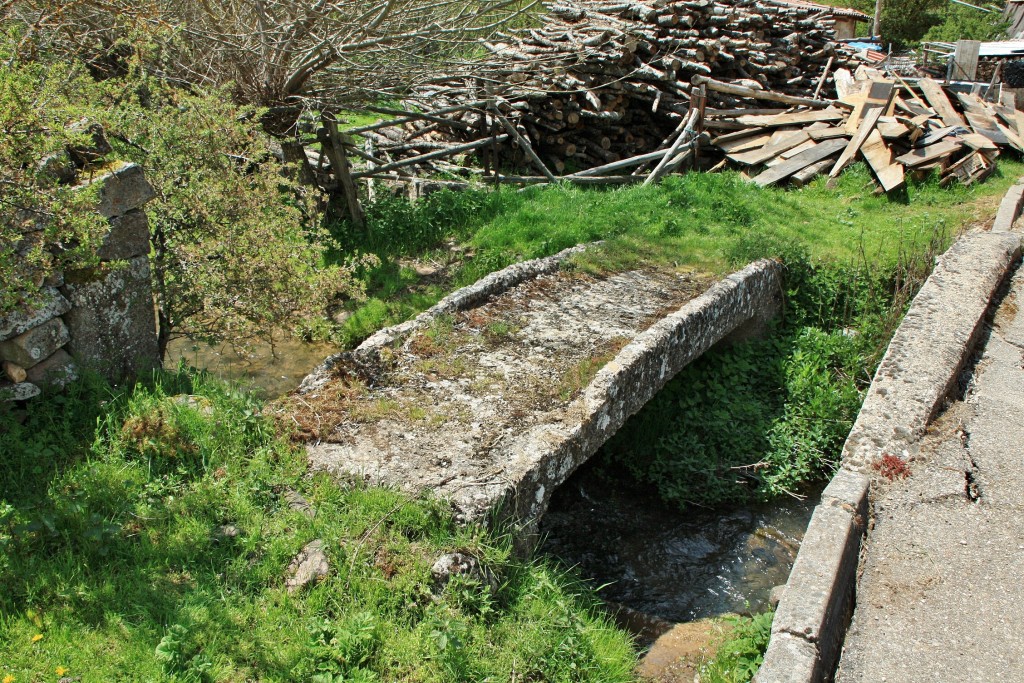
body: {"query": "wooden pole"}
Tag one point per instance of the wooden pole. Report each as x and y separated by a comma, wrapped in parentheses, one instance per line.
(741, 91)
(334, 147)
(468, 147)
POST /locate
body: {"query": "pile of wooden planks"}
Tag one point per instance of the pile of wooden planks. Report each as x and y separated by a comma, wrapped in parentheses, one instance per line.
(896, 127)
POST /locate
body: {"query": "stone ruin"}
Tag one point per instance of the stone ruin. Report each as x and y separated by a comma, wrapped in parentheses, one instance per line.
(100, 318)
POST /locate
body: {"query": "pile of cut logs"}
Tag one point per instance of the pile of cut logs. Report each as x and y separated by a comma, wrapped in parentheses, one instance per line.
(605, 80)
(893, 128)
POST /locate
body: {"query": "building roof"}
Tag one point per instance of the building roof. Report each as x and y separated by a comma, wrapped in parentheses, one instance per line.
(834, 11)
(1003, 48)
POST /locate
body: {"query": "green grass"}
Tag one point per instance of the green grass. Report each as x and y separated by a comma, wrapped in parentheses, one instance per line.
(114, 564)
(695, 220)
(740, 654)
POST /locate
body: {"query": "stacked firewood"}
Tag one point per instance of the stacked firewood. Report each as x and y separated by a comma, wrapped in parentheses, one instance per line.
(605, 80)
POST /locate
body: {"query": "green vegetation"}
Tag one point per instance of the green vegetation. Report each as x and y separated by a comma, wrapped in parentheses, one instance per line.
(761, 419)
(238, 250)
(905, 23)
(145, 533)
(740, 655)
(696, 220)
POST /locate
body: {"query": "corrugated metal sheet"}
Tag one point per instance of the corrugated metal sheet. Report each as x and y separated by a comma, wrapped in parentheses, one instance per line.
(1005, 48)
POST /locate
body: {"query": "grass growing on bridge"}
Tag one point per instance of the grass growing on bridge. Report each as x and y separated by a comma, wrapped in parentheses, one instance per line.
(144, 535)
(694, 220)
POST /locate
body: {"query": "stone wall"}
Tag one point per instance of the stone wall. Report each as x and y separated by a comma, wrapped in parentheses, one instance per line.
(101, 318)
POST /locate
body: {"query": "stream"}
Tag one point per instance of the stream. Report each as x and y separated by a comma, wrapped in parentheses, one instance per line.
(275, 371)
(661, 562)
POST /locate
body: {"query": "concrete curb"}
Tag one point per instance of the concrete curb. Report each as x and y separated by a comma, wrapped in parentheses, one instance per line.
(1009, 208)
(919, 369)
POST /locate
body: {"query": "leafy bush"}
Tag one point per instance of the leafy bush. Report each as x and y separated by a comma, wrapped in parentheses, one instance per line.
(36, 104)
(237, 249)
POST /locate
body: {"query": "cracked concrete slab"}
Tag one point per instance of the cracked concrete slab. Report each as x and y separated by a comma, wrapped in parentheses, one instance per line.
(939, 597)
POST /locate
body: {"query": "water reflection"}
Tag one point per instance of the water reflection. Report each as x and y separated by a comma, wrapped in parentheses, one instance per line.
(679, 566)
(275, 370)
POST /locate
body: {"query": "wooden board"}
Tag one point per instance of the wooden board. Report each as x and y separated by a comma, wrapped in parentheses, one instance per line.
(965, 60)
(879, 96)
(806, 175)
(744, 144)
(801, 161)
(1015, 140)
(977, 141)
(929, 154)
(794, 119)
(820, 134)
(935, 135)
(893, 130)
(939, 102)
(770, 151)
(981, 118)
(790, 153)
(867, 126)
(881, 160)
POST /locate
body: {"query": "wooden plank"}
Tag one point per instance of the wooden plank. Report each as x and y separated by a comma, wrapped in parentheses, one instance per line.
(866, 127)
(880, 96)
(806, 175)
(801, 161)
(936, 135)
(893, 130)
(940, 103)
(744, 144)
(759, 156)
(915, 109)
(728, 137)
(929, 154)
(794, 119)
(820, 134)
(981, 118)
(790, 153)
(977, 141)
(1015, 140)
(965, 60)
(333, 142)
(881, 160)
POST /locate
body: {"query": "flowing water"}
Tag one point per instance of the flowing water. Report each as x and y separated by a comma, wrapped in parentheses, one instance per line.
(678, 566)
(275, 370)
